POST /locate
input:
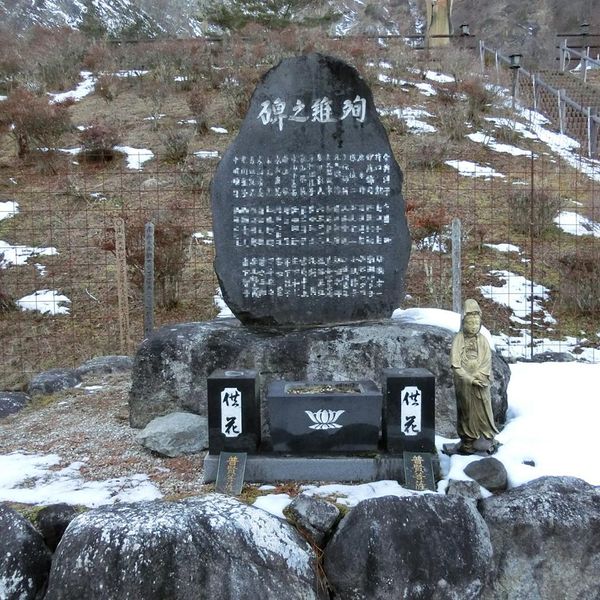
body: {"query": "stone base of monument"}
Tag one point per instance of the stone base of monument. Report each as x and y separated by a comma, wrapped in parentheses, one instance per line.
(172, 365)
(270, 469)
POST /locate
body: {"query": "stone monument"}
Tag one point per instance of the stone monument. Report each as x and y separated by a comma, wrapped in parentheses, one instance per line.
(308, 216)
(312, 246)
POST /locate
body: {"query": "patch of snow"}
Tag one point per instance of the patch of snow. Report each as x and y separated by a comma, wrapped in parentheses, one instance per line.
(46, 302)
(504, 247)
(30, 479)
(439, 77)
(516, 293)
(72, 151)
(537, 394)
(412, 118)
(561, 144)
(19, 255)
(136, 157)
(346, 23)
(204, 237)
(218, 129)
(392, 80)
(3, 98)
(492, 144)
(468, 168)
(8, 208)
(573, 223)
(351, 495)
(224, 310)
(131, 73)
(521, 345)
(426, 89)
(155, 117)
(207, 154)
(273, 504)
(83, 89)
(513, 125)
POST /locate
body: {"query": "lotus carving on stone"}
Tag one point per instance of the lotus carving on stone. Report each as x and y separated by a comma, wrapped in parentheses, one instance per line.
(324, 418)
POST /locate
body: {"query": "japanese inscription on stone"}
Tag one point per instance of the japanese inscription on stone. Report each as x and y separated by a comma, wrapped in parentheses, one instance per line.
(411, 410)
(308, 216)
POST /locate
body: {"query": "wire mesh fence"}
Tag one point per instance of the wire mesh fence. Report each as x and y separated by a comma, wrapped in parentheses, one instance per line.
(530, 253)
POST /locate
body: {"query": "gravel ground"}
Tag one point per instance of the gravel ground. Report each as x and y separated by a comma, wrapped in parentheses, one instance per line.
(91, 424)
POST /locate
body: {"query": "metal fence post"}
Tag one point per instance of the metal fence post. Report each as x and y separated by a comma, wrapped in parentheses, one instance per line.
(482, 55)
(148, 279)
(122, 285)
(497, 68)
(561, 110)
(592, 131)
(456, 265)
(563, 52)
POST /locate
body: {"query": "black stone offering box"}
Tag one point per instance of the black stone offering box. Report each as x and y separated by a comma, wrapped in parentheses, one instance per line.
(409, 410)
(324, 417)
(233, 411)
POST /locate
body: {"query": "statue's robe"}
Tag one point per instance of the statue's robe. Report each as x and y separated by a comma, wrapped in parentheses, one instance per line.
(471, 357)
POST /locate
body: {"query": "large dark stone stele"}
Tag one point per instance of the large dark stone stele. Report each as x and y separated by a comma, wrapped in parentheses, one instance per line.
(172, 365)
(310, 78)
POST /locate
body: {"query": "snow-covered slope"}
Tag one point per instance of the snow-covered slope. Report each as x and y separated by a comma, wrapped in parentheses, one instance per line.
(180, 17)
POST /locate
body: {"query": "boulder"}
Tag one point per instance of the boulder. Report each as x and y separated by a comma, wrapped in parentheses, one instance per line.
(105, 364)
(12, 402)
(203, 548)
(470, 490)
(545, 536)
(315, 517)
(489, 473)
(417, 547)
(54, 380)
(175, 434)
(24, 558)
(172, 365)
(52, 521)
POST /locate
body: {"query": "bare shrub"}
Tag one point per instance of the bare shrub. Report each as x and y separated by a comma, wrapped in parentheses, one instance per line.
(195, 174)
(237, 92)
(172, 232)
(480, 99)
(426, 152)
(539, 209)
(580, 281)
(459, 63)
(197, 101)
(98, 141)
(10, 60)
(99, 57)
(453, 121)
(108, 87)
(427, 222)
(57, 55)
(33, 121)
(176, 145)
(7, 303)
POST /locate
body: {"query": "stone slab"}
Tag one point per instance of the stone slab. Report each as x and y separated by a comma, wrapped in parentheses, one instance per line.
(270, 469)
(308, 215)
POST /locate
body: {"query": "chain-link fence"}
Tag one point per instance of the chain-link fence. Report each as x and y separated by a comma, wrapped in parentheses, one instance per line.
(530, 253)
